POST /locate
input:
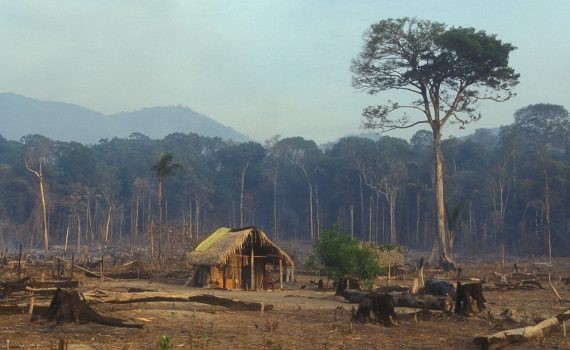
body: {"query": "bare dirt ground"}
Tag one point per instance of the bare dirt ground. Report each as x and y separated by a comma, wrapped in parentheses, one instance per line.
(300, 319)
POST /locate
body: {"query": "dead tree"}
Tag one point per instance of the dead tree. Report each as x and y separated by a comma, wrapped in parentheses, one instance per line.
(39, 173)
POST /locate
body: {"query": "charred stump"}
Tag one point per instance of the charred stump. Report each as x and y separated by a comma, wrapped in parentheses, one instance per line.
(346, 283)
(467, 295)
(381, 305)
(67, 306)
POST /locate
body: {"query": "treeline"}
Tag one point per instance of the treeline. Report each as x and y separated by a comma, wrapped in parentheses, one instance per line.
(511, 188)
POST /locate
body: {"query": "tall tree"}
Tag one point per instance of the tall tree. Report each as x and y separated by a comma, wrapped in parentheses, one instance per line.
(38, 172)
(448, 70)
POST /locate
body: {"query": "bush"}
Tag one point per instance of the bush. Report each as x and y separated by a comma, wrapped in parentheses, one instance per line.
(338, 255)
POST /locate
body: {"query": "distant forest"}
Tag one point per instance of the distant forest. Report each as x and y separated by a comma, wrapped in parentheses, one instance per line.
(510, 188)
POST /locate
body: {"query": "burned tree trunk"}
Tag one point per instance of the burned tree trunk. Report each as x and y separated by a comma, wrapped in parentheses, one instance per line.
(406, 300)
(67, 306)
(7, 287)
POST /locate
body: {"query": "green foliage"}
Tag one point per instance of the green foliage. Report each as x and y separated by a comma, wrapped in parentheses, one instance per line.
(340, 255)
(164, 167)
(164, 342)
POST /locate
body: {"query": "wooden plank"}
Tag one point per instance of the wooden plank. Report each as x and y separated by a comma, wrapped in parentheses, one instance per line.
(280, 274)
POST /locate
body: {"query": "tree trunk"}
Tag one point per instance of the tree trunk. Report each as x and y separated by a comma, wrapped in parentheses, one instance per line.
(78, 235)
(44, 214)
(108, 225)
(440, 197)
(275, 174)
(392, 204)
(370, 205)
(311, 227)
(242, 189)
(317, 209)
(160, 180)
(351, 208)
(361, 205)
(418, 219)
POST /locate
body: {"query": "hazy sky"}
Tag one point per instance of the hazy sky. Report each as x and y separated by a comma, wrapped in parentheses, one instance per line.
(263, 67)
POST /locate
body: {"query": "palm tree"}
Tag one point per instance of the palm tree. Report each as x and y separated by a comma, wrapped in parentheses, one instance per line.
(162, 169)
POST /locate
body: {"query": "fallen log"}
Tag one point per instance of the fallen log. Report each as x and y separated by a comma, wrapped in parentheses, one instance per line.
(405, 300)
(521, 335)
(145, 297)
(524, 285)
(13, 286)
(136, 297)
(232, 304)
(429, 302)
(354, 296)
(14, 309)
(53, 284)
(67, 306)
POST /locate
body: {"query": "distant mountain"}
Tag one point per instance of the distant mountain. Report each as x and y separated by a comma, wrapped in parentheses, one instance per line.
(20, 116)
(157, 122)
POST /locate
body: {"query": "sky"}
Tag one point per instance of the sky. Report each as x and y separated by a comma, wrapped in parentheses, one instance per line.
(263, 67)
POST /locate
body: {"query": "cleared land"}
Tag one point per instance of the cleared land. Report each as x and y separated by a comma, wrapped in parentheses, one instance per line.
(300, 319)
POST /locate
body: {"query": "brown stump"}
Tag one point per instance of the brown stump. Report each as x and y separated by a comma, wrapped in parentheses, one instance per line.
(67, 306)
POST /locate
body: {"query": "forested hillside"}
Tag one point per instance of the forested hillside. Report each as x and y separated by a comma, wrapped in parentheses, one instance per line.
(511, 188)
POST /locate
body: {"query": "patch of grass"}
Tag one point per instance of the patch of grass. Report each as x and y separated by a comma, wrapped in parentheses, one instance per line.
(270, 344)
(164, 342)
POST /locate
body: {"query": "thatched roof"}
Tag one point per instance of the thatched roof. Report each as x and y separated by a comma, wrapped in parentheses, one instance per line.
(217, 248)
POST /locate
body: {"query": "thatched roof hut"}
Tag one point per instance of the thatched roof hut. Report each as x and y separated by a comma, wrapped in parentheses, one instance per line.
(230, 258)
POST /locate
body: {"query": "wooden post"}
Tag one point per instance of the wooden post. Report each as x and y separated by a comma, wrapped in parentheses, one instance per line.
(252, 265)
(224, 276)
(72, 264)
(292, 272)
(101, 268)
(31, 310)
(262, 309)
(280, 274)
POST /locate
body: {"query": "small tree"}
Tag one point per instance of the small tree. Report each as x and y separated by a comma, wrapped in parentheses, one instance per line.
(338, 255)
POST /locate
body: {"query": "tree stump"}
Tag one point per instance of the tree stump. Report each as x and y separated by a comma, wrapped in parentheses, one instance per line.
(67, 306)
